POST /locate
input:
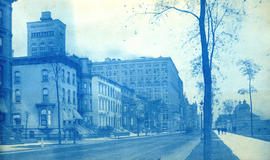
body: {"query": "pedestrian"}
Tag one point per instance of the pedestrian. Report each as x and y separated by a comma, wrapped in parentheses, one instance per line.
(218, 131)
(222, 130)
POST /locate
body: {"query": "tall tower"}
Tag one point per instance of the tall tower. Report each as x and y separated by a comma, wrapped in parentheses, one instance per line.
(46, 37)
(5, 60)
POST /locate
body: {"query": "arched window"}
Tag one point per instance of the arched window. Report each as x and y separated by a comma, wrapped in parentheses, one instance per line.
(45, 77)
(43, 117)
(17, 96)
(45, 94)
(17, 78)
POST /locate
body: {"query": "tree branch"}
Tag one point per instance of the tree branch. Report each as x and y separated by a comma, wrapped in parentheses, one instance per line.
(184, 11)
(168, 8)
(213, 39)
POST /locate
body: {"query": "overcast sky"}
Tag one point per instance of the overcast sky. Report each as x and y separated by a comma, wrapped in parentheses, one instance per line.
(106, 28)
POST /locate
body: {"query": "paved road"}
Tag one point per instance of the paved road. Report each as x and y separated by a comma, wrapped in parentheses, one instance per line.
(145, 148)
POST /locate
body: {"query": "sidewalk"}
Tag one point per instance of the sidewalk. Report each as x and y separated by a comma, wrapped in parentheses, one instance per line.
(247, 148)
(219, 151)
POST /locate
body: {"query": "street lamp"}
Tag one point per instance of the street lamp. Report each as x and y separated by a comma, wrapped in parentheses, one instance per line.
(201, 110)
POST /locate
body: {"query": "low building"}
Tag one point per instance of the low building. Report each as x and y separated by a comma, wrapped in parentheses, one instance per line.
(40, 84)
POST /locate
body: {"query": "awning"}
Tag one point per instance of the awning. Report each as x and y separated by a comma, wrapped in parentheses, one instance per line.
(67, 115)
(76, 115)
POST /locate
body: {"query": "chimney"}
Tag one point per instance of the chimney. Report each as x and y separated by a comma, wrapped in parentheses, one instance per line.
(45, 16)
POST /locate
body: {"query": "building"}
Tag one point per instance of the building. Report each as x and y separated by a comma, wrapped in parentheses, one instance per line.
(85, 93)
(240, 121)
(5, 66)
(39, 83)
(153, 78)
(46, 37)
(129, 108)
(46, 82)
(106, 103)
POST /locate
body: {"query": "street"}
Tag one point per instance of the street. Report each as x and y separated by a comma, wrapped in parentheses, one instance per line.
(151, 147)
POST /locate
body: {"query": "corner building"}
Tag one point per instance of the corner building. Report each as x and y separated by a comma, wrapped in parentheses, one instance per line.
(153, 78)
(38, 77)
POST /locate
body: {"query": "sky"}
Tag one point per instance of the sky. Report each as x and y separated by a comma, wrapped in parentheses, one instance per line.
(117, 29)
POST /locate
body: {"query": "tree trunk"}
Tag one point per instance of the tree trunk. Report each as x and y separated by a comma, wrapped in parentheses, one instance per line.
(207, 108)
(58, 108)
(251, 115)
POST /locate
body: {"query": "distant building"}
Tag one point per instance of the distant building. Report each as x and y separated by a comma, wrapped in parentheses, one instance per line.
(240, 121)
(35, 93)
(153, 78)
(46, 37)
(106, 103)
(5, 65)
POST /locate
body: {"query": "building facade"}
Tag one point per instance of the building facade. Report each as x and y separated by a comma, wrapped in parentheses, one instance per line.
(153, 78)
(46, 37)
(5, 66)
(39, 86)
(106, 103)
(45, 83)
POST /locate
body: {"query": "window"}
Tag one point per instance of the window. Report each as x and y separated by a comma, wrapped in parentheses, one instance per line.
(43, 118)
(64, 95)
(73, 79)
(74, 98)
(68, 77)
(17, 119)
(45, 93)
(17, 96)
(63, 75)
(1, 75)
(69, 97)
(49, 117)
(45, 77)
(1, 45)
(17, 78)
(1, 16)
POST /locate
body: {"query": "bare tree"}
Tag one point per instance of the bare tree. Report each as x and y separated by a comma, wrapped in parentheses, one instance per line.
(216, 22)
(229, 105)
(56, 67)
(250, 69)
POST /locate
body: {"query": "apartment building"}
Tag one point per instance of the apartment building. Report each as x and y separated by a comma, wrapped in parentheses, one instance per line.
(153, 78)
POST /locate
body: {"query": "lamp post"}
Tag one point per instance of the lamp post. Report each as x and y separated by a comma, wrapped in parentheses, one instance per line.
(201, 110)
